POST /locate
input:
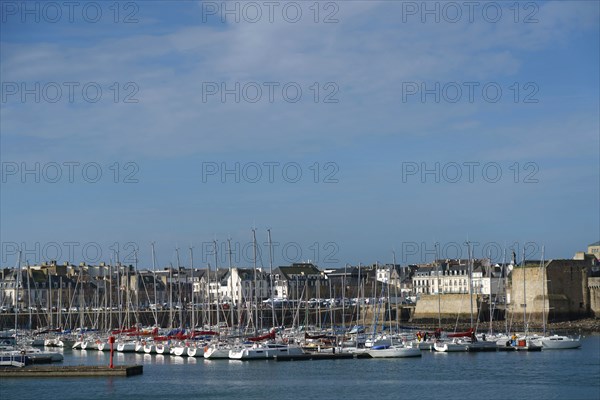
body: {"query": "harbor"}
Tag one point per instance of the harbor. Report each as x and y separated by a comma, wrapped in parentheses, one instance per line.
(300, 200)
(572, 374)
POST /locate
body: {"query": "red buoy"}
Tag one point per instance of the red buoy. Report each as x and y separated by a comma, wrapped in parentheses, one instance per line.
(111, 341)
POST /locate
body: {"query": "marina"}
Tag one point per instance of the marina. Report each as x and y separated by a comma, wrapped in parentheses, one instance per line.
(300, 200)
(567, 374)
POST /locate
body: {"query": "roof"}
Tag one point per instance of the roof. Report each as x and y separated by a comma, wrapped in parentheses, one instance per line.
(595, 244)
(298, 269)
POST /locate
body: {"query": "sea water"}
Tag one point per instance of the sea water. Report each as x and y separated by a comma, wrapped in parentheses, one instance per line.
(551, 374)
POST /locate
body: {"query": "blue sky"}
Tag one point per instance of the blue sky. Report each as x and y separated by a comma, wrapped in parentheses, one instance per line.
(368, 199)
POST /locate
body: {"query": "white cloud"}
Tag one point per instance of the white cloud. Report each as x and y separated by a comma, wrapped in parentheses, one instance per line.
(369, 53)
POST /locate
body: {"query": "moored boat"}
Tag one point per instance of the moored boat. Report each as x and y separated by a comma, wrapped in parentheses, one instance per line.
(395, 351)
(526, 344)
(11, 360)
(197, 351)
(450, 346)
(218, 351)
(162, 348)
(126, 347)
(557, 342)
(264, 351)
(179, 349)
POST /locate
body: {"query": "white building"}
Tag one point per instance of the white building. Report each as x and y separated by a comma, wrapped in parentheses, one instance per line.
(452, 276)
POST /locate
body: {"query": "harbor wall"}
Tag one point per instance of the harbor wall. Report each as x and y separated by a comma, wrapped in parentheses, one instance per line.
(594, 289)
(451, 306)
(562, 292)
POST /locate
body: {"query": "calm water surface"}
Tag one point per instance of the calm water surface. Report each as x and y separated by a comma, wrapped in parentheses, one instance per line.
(566, 374)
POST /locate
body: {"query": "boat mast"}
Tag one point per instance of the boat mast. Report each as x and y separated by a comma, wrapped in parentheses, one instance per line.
(544, 284)
(127, 298)
(50, 319)
(217, 284)
(207, 316)
(490, 295)
(358, 287)
(138, 277)
(18, 272)
(119, 294)
(179, 288)
(344, 301)
(255, 287)
(389, 318)
(110, 291)
(271, 279)
(470, 268)
(376, 297)
(170, 296)
(396, 291)
(29, 296)
(504, 278)
(104, 299)
(524, 294)
(230, 280)
(437, 265)
(81, 299)
(59, 308)
(192, 294)
(155, 311)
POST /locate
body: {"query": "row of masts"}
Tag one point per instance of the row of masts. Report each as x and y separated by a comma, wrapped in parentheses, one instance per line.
(126, 297)
(124, 318)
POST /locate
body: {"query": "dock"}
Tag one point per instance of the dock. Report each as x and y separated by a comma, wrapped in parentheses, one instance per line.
(321, 356)
(71, 371)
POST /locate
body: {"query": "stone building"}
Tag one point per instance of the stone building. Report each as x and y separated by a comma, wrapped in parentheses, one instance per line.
(452, 277)
(300, 280)
(594, 249)
(558, 288)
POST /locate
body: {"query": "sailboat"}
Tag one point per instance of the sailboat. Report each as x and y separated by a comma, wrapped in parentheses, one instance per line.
(20, 355)
(394, 351)
(217, 351)
(525, 342)
(264, 351)
(456, 343)
(553, 342)
(557, 342)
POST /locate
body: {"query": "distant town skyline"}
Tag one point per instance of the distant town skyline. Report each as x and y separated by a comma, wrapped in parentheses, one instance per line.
(283, 253)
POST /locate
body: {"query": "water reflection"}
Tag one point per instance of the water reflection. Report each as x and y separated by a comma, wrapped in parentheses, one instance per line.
(177, 360)
(192, 360)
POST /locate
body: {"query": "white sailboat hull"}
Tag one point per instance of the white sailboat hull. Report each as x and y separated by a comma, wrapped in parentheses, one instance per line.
(149, 348)
(195, 351)
(103, 346)
(127, 347)
(395, 352)
(162, 349)
(448, 347)
(264, 352)
(179, 350)
(557, 342)
(216, 353)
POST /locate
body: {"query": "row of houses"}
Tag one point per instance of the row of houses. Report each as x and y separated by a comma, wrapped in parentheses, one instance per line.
(52, 285)
(452, 276)
(66, 285)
